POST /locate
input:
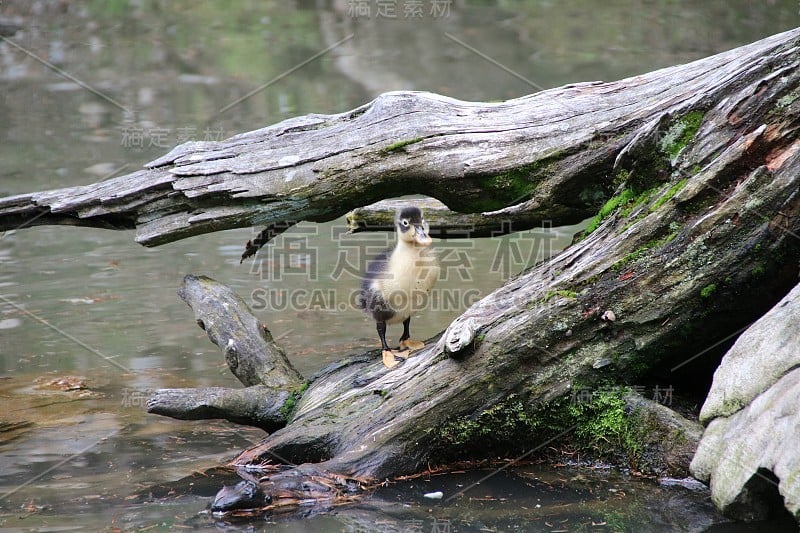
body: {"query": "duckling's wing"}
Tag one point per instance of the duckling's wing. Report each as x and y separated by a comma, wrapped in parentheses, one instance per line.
(377, 270)
(375, 305)
(371, 297)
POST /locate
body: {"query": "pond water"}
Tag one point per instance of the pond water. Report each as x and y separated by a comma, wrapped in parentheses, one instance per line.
(95, 89)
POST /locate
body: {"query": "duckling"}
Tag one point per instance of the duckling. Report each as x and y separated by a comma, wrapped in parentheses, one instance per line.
(398, 281)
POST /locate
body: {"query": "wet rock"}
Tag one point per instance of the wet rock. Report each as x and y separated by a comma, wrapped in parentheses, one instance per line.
(749, 451)
(687, 483)
(9, 27)
(669, 440)
(244, 495)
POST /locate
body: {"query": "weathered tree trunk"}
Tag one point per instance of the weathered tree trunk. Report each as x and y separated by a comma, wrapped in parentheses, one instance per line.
(698, 166)
(550, 154)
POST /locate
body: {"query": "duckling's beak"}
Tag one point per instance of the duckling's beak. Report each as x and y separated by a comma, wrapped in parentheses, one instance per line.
(421, 236)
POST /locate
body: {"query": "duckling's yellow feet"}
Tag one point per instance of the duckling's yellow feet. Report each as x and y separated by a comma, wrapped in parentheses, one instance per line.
(391, 358)
(412, 345)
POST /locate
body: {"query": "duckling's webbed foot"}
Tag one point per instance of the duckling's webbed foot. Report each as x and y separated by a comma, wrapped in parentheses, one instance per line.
(391, 358)
(411, 345)
(406, 342)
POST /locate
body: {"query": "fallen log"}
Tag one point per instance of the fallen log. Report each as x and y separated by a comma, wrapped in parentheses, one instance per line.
(698, 241)
(550, 154)
(693, 173)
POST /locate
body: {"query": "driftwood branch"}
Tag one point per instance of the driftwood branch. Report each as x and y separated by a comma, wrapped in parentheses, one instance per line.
(271, 382)
(550, 154)
(258, 405)
(281, 490)
(251, 353)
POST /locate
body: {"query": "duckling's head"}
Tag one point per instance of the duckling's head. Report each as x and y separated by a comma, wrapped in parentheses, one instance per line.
(411, 227)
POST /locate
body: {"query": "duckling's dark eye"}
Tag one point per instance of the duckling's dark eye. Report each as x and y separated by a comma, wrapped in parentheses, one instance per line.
(405, 222)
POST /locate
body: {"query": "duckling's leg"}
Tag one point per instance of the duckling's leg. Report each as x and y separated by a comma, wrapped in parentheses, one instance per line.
(406, 341)
(390, 357)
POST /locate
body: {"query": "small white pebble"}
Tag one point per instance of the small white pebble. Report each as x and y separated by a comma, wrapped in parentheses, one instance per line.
(609, 315)
(435, 495)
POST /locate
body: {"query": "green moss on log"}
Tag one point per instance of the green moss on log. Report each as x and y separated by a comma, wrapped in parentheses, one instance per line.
(708, 290)
(787, 100)
(680, 133)
(507, 188)
(291, 402)
(641, 199)
(598, 424)
(562, 293)
(400, 145)
(672, 191)
(512, 186)
(615, 201)
(620, 178)
(604, 427)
